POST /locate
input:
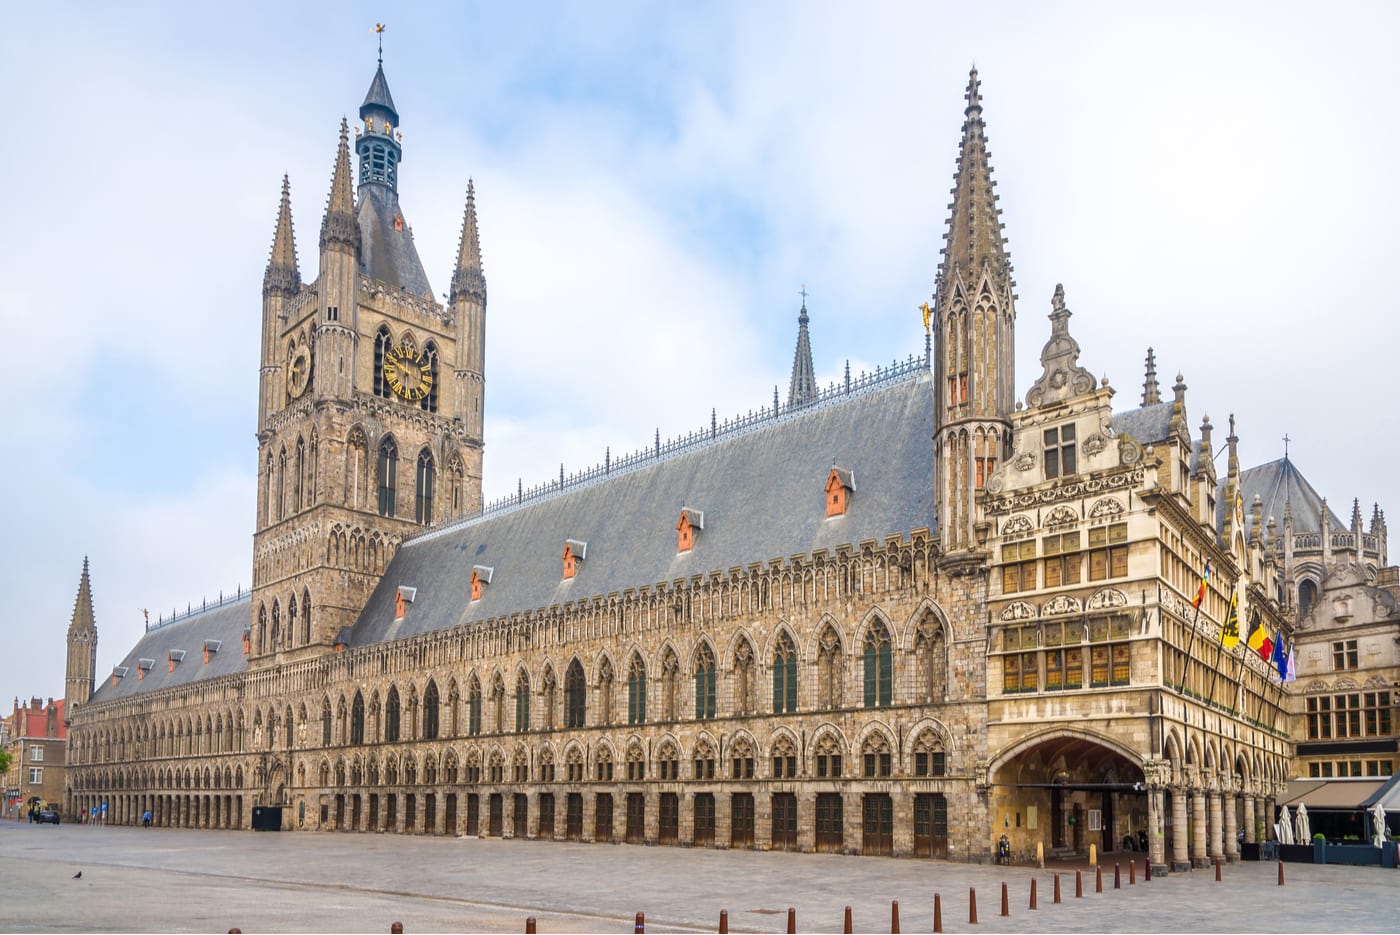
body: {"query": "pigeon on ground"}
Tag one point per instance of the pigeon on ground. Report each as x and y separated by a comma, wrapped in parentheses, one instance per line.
(78, 875)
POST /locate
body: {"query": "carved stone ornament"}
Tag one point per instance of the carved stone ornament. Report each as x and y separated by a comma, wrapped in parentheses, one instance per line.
(1061, 516)
(1094, 444)
(1018, 526)
(1018, 610)
(1106, 507)
(1107, 597)
(1074, 490)
(1129, 451)
(1063, 377)
(996, 483)
(1024, 461)
(1061, 604)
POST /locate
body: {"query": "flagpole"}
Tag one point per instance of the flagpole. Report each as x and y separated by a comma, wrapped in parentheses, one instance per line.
(1220, 643)
(1278, 699)
(1190, 644)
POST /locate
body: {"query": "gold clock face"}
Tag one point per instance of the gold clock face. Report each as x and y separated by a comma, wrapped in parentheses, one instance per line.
(408, 373)
(299, 371)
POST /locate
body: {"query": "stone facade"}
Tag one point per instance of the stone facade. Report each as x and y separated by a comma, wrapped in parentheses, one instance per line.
(35, 737)
(991, 630)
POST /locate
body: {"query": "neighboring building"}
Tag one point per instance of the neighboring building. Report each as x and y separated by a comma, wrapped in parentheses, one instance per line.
(906, 615)
(36, 739)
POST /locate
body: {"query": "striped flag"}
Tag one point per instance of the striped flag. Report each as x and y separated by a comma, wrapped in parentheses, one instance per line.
(1201, 591)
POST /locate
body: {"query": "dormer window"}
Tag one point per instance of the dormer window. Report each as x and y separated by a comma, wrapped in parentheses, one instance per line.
(840, 484)
(574, 551)
(176, 656)
(481, 577)
(687, 527)
(142, 667)
(402, 598)
(119, 673)
(1059, 452)
(210, 648)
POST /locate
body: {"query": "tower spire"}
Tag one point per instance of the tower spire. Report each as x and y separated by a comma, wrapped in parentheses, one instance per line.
(82, 647)
(282, 272)
(340, 225)
(1151, 396)
(468, 279)
(802, 388)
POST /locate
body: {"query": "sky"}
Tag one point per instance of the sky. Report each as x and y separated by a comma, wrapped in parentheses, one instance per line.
(655, 184)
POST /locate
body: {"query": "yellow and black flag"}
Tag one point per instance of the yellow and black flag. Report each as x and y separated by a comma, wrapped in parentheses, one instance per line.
(1230, 632)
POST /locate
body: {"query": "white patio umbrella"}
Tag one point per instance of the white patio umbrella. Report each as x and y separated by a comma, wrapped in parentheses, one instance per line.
(1378, 830)
(1303, 825)
(1285, 826)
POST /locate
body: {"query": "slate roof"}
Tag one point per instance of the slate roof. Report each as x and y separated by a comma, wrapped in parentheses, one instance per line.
(1147, 425)
(386, 254)
(378, 95)
(761, 492)
(225, 622)
(1276, 483)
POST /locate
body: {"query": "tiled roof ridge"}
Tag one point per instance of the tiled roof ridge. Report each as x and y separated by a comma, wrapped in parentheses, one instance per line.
(834, 394)
(205, 606)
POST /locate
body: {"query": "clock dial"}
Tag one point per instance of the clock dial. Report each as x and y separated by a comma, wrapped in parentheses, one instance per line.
(299, 371)
(408, 373)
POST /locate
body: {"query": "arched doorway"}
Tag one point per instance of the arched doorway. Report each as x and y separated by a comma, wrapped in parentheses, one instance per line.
(1067, 789)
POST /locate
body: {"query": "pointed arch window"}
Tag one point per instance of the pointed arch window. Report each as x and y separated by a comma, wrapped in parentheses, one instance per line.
(575, 695)
(305, 616)
(670, 685)
(456, 482)
(704, 683)
(784, 675)
(298, 473)
(474, 708)
(382, 344)
(743, 678)
(282, 483)
(423, 489)
(388, 471)
(522, 703)
(606, 681)
(326, 723)
(829, 670)
(931, 653)
(637, 690)
(429, 403)
(430, 711)
(549, 692)
(879, 666)
(357, 720)
(498, 705)
(276, 625)
(391, 715)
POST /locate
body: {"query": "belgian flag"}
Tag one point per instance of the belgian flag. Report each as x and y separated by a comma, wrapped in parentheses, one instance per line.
(1258, 638)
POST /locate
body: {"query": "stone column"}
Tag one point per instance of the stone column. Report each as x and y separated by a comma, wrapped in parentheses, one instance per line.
(651, 826)
(1249, 818)
(806, 821)
(1213, 829)
(1180, 859)
(1270, 817)
(1232, 828)
(724, 818)
(590, 814)
(1156, 843)
(1198, 828)
(852, 810)
(507, 815)
(763, 821)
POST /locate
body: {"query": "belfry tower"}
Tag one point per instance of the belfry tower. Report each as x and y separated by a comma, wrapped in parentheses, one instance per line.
(974, 328)
(82, 649)
(370, 402)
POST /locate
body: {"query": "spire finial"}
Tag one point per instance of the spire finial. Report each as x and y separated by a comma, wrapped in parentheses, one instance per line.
(379, 33)
(1286, 440)
(340, 224)
(282, 273)
(974, 92)
(802, 387)
(1151, 395)
(468, 279)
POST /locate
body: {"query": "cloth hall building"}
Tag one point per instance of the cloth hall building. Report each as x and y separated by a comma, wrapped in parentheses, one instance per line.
(978, 621)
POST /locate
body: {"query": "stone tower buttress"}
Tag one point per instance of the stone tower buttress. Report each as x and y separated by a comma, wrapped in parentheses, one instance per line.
(82, 649)
(974, 327)
(338, 283)
(468, 303)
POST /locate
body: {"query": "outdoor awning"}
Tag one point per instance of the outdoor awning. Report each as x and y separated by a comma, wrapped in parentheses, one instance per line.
(1388, 795)
(1343, 794)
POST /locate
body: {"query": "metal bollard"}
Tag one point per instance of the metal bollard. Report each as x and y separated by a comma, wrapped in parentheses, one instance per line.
(792, 920)
(1098, 879)
(1280, 873)
(396, 928)
(1005, 902)
(641, 924)
(1057, 889)
(1147, 868)
(1217, 870)
(1032, 892)
(972, 905)
(1117, 875)
(529, 925)
(846, 927)
(1078, 884)
(894, 916)
(937, 914)
(1132, 872)
(724, 922)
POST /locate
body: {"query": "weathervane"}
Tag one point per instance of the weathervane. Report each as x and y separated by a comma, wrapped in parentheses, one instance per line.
(1286, 440)
(379, 31)
(928, 313)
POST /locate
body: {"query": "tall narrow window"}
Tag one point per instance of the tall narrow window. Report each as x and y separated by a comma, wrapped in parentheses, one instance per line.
(430, 711)
(423, 489)
(299, 468)
(606, 682)
(575, 695)
(878, 666)
(670, 685)
(743, 678)
(1059, 452)
(388, 470)
(522, 703)
(474, 707)
(637, 690)
(382, 343)
(704, 683)
(829, 671)
(326, 723)
(357, 720)
(784, 675)
(391, 715)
